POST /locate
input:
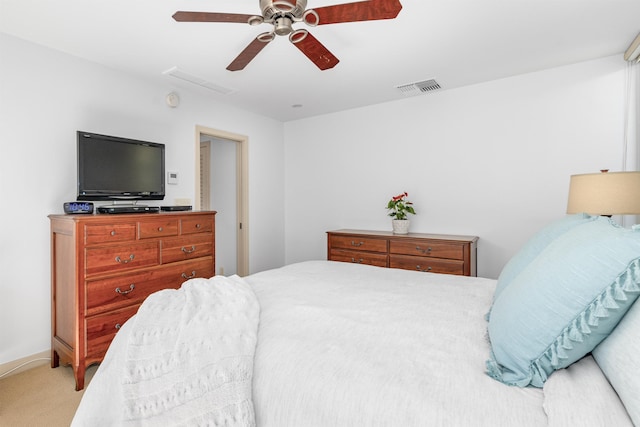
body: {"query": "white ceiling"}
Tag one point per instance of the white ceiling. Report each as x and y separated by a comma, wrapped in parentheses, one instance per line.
(457, 42)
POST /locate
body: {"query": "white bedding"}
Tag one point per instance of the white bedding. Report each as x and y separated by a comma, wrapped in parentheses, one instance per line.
(185, 359)
(351, 345)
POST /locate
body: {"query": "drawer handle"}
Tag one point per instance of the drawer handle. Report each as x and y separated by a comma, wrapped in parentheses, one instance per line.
(159, 228)
(124, 261)
(118, 326)
(357, 261)
(193, 274)
(198, 226)
(357, 245)
(422, 269)
(121, 292)
(419, 249)
(113, 232)
(189, 251)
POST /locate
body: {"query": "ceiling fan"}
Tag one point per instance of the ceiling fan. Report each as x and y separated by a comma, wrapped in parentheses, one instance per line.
(282, 14)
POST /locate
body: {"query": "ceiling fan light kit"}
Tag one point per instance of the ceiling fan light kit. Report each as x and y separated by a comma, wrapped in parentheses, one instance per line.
(283, 14)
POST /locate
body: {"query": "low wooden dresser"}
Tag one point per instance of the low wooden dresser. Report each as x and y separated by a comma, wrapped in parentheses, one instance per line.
(435, 253)
(104, 266)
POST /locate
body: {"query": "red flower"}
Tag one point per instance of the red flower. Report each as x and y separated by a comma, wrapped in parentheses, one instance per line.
(400, 196)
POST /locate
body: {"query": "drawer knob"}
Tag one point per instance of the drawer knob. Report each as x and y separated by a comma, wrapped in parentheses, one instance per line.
(198, 226)
(124, 261)
(357, 245)
(113, 232)
(118, 326)
(121, 292)
(159, 228)
(193, 274)
(419, 249)
(419, 268)
(357, 261)
(188, 251)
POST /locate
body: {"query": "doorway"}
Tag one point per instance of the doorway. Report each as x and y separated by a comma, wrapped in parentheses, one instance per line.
(222, 185)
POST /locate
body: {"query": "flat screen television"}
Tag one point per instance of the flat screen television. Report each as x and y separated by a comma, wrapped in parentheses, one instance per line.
(114, 168)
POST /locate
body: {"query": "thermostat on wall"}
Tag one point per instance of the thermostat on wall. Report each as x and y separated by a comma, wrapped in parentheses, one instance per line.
(172, 177)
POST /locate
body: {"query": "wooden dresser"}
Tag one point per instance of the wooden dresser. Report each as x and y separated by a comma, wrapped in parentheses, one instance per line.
(435, 253)
(104, 266)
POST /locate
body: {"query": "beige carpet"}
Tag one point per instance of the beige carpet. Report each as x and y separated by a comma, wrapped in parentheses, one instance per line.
(40, 397)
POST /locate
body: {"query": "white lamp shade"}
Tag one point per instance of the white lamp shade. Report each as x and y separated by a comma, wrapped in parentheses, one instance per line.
(607, 193)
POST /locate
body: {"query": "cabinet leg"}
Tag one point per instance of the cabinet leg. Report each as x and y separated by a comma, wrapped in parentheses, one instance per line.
(55, 359)
(78, 372)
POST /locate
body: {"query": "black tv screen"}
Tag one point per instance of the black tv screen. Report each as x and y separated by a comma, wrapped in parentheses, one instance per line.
(114, 168)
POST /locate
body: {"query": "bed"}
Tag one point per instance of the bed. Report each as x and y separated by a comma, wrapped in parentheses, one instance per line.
(324, 343)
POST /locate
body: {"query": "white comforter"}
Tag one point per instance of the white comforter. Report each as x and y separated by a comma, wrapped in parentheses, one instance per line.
(351, 345)
(186, 359)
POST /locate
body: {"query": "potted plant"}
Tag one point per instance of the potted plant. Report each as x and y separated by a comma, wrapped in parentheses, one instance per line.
(399, 207)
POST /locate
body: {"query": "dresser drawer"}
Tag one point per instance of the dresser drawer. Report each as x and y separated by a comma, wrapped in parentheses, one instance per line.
(431, 265)
(201, 224)
(179, 272)
(110, 294)
(158, 228)
(121, 257)
(358, 243)
(118, 292)
(357, 257)
(429, 248)
(104, 233)
(102, 328)
(188, 247)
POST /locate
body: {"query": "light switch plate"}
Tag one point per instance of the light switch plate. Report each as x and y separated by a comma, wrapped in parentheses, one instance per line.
(172, 177)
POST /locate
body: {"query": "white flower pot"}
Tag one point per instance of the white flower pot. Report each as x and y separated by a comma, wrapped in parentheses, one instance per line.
(400, 226)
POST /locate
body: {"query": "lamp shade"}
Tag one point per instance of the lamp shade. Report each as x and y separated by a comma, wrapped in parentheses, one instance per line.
(606, 193)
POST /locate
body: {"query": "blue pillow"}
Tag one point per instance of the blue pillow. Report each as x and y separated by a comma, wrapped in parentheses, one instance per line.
(567, 300)
(535, 245)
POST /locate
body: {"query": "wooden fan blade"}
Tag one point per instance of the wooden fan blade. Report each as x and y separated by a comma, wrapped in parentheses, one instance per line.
(360, 11)
(182, 16)
(247, 55)
(316, 52)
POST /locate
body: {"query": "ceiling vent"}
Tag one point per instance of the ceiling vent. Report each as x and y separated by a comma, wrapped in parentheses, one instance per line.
(418, 87)
(179, 74)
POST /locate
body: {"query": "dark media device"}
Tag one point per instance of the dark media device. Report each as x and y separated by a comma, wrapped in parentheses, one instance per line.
(178, 208)
(119, 169)
(78, 207)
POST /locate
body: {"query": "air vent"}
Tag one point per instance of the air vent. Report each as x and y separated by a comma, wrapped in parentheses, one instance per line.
(418, 87)
(178, 74)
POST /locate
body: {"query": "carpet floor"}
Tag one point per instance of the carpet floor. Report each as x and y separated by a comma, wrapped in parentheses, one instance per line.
(40, 397)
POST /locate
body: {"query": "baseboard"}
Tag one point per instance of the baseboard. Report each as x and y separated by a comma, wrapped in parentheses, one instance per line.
(24, 364)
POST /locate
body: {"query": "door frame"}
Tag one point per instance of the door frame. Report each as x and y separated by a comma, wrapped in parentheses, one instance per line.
(242, 189)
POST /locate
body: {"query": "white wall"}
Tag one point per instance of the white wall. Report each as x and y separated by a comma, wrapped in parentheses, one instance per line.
(491, 160)
(45, 96)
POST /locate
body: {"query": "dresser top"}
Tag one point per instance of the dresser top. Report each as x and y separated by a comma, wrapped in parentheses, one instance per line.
(125, 216)
(379, 233)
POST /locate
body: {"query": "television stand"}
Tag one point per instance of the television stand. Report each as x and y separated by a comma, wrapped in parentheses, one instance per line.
(125, 209)
(104, 266)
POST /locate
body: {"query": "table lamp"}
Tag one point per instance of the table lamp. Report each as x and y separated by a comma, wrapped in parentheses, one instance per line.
(605, 193)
